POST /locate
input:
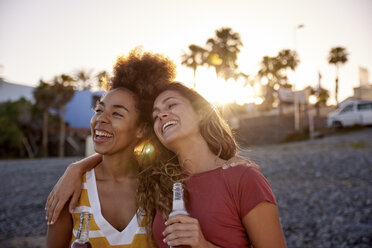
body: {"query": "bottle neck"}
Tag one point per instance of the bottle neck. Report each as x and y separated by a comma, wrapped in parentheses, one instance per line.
(83, 232)
(178, 203)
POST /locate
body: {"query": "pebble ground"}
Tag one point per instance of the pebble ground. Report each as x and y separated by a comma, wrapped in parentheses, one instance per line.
(323, 188)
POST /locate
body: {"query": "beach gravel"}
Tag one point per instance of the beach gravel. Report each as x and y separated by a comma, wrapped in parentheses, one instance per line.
(323, 189)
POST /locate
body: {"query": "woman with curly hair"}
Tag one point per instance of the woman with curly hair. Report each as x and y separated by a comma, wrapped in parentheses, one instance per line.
(121, 121)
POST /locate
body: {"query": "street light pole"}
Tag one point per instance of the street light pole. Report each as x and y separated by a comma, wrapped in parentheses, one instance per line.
(295, 95)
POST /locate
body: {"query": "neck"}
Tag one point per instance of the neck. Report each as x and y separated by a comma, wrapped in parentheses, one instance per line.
(118, 166)
(195, 156)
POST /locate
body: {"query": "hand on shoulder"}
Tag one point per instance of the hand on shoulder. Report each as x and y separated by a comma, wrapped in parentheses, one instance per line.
(239, 160)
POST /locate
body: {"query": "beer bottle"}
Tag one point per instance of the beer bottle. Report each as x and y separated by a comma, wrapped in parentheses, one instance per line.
(178, 206)
(82, 237)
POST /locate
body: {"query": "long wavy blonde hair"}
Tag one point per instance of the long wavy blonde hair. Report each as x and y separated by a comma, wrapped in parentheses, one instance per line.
(156, 178)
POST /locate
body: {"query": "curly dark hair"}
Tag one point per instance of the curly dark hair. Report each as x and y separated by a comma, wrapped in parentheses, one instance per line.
(143, 73)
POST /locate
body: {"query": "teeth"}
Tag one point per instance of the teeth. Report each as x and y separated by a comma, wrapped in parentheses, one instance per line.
(102, 133)
(168, 124)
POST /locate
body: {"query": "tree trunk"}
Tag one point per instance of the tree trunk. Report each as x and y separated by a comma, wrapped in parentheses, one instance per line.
(45, 132)
(62, 132)
(194, 79)
(28, 147)
(317, 107)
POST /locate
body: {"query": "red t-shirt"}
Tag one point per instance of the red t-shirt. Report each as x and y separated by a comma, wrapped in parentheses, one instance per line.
(219, 199)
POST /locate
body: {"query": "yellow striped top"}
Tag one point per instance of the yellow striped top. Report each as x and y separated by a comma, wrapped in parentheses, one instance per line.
(101, 233)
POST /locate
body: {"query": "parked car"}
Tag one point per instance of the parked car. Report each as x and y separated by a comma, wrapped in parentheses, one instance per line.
(353, 113)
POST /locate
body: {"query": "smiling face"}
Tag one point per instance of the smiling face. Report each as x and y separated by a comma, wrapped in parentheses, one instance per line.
(174, 118)
(114, 125)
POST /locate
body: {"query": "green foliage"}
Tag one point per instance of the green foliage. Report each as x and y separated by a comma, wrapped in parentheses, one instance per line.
(321, 94)
(337, 56)
(102, 79)
(10, 134)
(83, 79)
(62, 90)
(223, 52)
(275, 69)
(44, 95)
(196, 56)
(10, 127)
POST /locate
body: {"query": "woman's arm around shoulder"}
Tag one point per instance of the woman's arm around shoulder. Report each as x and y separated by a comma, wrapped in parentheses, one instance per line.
(69, 186)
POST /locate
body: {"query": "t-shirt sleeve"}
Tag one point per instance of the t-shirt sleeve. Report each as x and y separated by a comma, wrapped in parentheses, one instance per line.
(253, 188)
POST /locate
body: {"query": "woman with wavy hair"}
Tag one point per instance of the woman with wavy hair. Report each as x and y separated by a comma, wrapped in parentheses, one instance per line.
(229, 206)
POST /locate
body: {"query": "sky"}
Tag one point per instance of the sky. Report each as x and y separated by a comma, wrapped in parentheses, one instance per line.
(45, 38)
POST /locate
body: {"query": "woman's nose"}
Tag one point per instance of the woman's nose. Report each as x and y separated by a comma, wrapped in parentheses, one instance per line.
(102, 117)
(163, 115)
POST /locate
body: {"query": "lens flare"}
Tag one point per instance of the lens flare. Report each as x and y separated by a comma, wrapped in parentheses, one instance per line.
(145, 152)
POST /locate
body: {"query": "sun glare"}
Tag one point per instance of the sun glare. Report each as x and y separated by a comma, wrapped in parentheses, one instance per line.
(218, 91)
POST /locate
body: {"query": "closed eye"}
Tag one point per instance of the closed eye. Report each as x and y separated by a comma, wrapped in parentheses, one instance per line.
(172, 105)
(117, 114)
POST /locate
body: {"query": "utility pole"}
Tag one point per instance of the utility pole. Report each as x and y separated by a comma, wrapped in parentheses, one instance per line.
(295, 95)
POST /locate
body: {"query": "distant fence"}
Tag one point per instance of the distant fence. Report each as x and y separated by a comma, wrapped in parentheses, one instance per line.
(263, 130)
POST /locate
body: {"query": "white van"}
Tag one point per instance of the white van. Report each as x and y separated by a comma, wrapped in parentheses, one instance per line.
(353, 113)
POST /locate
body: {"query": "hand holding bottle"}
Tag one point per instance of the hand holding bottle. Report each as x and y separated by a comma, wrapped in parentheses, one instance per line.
(181, 228)
(184, 230)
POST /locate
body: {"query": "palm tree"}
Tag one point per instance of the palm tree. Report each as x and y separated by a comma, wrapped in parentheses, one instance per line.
(322, 96)
(274, 69)
(63, 91)
(288, 59)
(82, 79)
(337, 56)
(197, 56)
(223, 52)
(269, 70)
(44, 96)
(103, 80)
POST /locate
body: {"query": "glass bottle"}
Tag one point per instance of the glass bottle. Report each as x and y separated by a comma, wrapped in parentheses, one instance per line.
(178, 206)
(82, 237)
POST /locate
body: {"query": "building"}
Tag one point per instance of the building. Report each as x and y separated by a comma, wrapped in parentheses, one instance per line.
(363, 92)
(79, 110)
(13, 92)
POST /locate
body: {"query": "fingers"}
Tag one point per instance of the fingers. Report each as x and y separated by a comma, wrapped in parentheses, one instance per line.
(238, 160)
(74, 201)
(49, 199)
(50, 209)
(48, 205)
(182, 230)
(180, 218)
(181, 227)
(181, 234)
(178, 241)
(56, 211)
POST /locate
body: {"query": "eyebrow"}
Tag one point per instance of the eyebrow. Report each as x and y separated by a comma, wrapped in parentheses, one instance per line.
(165, 100)
(115, 106)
